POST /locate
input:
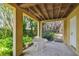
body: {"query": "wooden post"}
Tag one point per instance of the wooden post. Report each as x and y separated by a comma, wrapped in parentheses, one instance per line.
(19, 32)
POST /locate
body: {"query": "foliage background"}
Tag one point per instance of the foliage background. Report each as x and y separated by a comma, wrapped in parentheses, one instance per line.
(29, 30)
(6, 30)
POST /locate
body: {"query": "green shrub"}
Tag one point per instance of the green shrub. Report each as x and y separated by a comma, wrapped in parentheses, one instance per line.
(4, 33)
(6, 46)
(5, 51)
(27, 40)
(49, 36)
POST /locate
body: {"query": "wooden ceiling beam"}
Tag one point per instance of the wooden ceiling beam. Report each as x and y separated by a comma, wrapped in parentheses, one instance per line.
(47, 9)
(30, 10)
(23, 10)
(27, 5)
(38, 11)
(58, 14)
(44, 11)
(50, 10)
(41, 11)
(68, 7)
(73, 6)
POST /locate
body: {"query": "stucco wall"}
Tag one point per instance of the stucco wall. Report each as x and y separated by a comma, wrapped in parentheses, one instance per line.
(67, 28)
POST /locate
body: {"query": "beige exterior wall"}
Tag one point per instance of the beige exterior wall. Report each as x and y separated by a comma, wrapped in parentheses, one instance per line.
(67, 29)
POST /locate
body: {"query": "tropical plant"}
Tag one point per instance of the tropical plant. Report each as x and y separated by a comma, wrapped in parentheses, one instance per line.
(6, 30)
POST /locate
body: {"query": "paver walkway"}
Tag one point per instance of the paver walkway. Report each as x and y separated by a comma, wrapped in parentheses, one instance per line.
(42, 47)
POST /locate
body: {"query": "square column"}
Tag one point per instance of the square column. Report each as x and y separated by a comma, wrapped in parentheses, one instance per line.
(40, 29)
(19, 32)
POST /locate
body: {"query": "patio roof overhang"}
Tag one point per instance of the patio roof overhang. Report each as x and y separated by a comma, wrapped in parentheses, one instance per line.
(46, 11)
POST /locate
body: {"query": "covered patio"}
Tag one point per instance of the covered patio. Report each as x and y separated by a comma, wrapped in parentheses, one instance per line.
(42, 13)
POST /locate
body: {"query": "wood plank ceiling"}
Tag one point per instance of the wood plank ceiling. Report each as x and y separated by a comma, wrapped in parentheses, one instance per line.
(45, 11)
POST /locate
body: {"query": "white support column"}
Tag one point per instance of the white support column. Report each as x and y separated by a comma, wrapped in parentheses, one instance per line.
(40, 29)
(14, 37)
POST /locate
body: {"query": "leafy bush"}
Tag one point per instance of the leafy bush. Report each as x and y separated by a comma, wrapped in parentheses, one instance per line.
(5, 51)
(6, 46)
(27, 40)
(6, 42)
(4, 33)
(49, 36)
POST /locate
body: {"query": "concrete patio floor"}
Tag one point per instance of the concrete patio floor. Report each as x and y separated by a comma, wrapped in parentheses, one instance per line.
(42, 47)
